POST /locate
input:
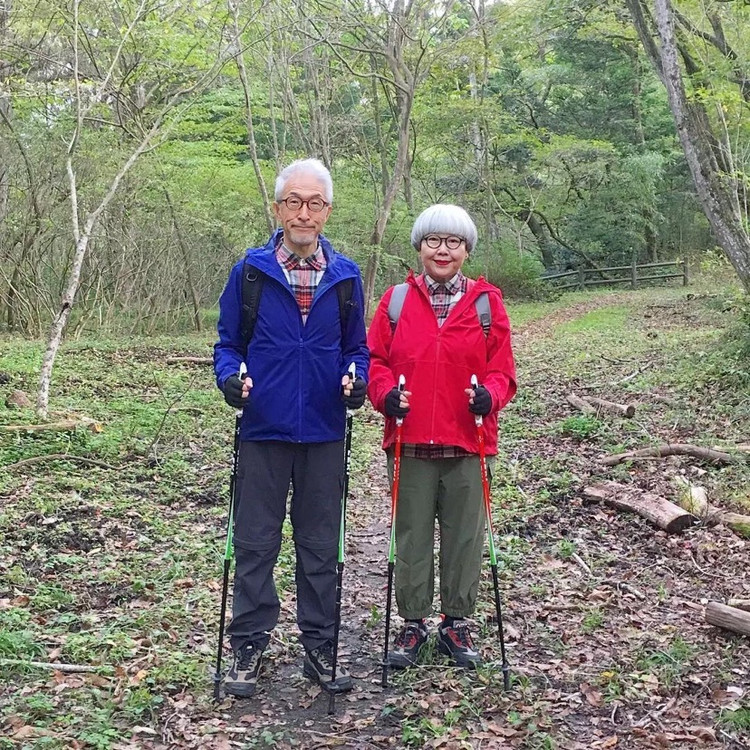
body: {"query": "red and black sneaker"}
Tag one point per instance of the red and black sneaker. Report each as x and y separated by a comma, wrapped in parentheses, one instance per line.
(455, 640)
(406, 647)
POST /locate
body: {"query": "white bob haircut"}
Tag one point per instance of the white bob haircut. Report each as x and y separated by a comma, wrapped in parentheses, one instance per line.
(444, 218)
(313, 167)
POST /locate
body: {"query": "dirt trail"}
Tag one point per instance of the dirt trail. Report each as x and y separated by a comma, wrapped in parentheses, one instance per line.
(607, 642)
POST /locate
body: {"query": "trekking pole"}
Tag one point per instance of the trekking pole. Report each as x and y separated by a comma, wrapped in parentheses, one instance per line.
(342, 537)
(493, 557)
(228, 548)
(392, 542)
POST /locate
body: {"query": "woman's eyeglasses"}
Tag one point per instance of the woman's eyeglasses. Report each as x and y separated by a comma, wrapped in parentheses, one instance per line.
(452, 242)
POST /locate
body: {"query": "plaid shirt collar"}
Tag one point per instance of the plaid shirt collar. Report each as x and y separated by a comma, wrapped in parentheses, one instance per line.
(453, 286)
(291, 261)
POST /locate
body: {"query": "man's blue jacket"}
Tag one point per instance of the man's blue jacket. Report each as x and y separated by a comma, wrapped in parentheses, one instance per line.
(296, 368)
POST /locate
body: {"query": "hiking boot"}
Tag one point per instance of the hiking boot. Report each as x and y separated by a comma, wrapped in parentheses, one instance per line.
(318, 666)
(242, 678)
(455, 641)
(407, 644)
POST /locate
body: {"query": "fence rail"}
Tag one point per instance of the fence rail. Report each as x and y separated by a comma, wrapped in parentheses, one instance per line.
(582, 277)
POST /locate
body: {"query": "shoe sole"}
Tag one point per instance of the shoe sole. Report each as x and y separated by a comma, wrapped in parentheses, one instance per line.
(402, 661)
(462, 661)
(342, 684)
(240, 691)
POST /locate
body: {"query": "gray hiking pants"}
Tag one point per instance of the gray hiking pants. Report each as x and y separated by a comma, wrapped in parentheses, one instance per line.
(265, 470)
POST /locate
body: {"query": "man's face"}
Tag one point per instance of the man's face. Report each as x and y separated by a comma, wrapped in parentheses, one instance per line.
(302, 226)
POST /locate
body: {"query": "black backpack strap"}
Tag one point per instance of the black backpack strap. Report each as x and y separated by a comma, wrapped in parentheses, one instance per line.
(344, 291)
(482, 306)
(396, 303)
(252, 286)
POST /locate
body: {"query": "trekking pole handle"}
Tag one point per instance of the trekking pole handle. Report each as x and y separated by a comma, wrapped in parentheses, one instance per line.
(243, 372)
(352, 373)
(474, 386)
(401, 387)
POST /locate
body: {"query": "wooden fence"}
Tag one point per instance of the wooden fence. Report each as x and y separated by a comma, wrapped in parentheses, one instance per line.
(584, 277)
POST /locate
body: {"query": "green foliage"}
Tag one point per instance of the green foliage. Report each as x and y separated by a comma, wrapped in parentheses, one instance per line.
(581, 427)
(515, 273)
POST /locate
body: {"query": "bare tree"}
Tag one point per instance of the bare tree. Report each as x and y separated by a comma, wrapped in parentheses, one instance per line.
(86, 98)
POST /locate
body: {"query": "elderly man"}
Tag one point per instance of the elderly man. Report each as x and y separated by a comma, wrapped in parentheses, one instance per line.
(292, 312)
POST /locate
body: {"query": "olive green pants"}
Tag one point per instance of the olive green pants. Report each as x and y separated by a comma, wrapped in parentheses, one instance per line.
(449, 490)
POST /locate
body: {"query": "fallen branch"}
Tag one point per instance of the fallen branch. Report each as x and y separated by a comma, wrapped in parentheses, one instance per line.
(60, 457)
(671, 449)
(740, 604)
(659, 511)
(619, 410)
(729, 618)
(64, 425)
(54, 665)
(191, 360)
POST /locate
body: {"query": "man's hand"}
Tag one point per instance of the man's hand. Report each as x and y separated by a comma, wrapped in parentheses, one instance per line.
(353, 393)
(480, 401)
(397, 403)
(237, 391)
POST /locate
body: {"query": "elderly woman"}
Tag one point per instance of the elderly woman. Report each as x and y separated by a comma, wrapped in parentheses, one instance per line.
(437, 341)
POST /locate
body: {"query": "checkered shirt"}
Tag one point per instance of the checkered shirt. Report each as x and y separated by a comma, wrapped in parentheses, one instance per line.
(443, 298)
(303, 274)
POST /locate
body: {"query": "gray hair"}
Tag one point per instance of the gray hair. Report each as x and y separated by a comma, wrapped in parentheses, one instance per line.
(313, 167)
(444, 218)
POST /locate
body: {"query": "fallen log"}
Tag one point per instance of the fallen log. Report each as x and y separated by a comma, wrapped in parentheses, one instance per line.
(658, 510)
(619, 410)
(671, 449)
(738, 523)
(729, 618)
(190, 360)
(580, 404)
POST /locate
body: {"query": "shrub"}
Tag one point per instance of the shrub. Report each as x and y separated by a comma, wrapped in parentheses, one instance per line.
(517, 274)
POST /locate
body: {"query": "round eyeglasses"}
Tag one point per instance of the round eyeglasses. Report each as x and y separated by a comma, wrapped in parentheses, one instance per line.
(452, 242)
(293, 203)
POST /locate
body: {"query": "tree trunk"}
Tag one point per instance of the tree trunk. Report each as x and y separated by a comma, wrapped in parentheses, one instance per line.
(251, 146)
(718, 192)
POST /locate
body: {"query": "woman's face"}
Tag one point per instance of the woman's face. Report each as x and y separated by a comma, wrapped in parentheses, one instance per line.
(442, 255)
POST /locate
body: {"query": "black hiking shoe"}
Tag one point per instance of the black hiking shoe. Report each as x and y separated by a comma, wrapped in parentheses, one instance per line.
(242, 678)
(318, 666)
(407, 644)
(455, 641)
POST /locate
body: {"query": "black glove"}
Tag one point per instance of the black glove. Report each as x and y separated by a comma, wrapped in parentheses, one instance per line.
(233, 391)
(482, 402)
(393, 406)
(356, 397)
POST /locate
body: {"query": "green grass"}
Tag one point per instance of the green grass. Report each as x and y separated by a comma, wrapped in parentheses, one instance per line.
(119, 568)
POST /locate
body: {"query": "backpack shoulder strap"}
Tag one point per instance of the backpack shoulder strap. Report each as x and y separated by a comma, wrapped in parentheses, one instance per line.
(396, 303)
(344, 291)
(252, 286)
(482, 305)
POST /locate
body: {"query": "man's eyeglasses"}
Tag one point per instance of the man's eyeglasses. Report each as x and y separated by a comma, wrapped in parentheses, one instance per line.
(452, 243)
(293, 203)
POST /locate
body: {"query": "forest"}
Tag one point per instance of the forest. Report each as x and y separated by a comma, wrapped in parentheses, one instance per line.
(139, 145)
